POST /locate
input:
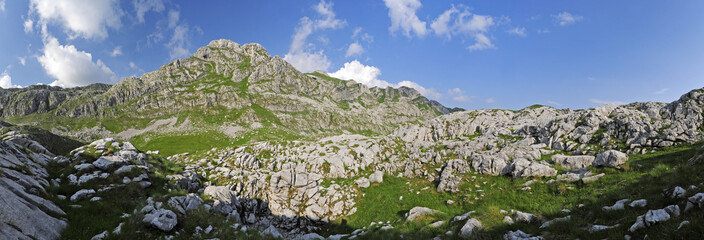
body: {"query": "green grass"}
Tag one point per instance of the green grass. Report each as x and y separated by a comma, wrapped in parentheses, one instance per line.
(191, 143)
(644, 176)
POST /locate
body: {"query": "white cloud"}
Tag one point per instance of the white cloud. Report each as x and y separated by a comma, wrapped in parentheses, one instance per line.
(520, 31)
(355, 49)
(458, 95)
(23, 60)
(28, 25)
(369, 75)
(2, 5)
(565, 18)
(71, 67)
(116, 52)
(543, 31)
(173, 18)
(87, 19)
(605, 102)
(466, 23)
(591, 78)
(134, 66)
(661, 91)
(178, 44)
(490, 100)
(303, 55)
(554, 103)
(403, 17)
(6, 80)
(441, 25)
(482, 42)
(141, 7)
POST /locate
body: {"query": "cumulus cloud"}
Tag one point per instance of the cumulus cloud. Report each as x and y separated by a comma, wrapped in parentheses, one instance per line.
(369, 75)
(6, 80)
(23, 60)
(355, 49)
(303, 55)
(403, 17)
(565, 18)
(179, 42)
(520, 31)
(71, 67)
(117, 51)
(458, 95)
(141, 7)
(87, 19)
(605, 102)
(462, 22)
(2, 5)
(28, 25)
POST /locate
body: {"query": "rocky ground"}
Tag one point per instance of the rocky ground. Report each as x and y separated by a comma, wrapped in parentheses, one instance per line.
(456, 165)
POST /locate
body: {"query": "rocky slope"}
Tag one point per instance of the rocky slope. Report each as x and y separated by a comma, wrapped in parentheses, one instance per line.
(225, 87)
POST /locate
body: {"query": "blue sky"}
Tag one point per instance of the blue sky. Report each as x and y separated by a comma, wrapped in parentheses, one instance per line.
(470, 54)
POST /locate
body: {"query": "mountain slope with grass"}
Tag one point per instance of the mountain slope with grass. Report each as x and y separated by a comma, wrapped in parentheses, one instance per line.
(230, 92)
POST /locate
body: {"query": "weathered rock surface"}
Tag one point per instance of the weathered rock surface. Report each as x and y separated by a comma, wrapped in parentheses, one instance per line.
(24, 214)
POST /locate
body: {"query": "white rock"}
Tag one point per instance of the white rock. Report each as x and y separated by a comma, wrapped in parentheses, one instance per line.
(639, 203)
(619, 205)
(82, 194)
(417, 212)
(164, 220)
(469, 227)
(100, 236)
(548, 223)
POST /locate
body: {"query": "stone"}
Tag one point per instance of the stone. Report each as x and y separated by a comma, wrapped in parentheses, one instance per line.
(610, 158)
(596, 228)
(273, 232)
(106, 162)
(186, 203)
(124, 169)
(524, 217)
(508, 220)
(83, 167)
(418, 212)
(362, 182)
(639, 203)
(696, 200)
(678, 193)
(162, 219)
(376, 177)
(682, 224)
(573, 162)
(548, 223)
(469, 227)
(100, 236)
(82, 194)
(619, 205)
(436, 224)
(520, 235)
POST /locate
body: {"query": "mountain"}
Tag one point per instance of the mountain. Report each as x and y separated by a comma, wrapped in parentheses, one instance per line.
(225, 90)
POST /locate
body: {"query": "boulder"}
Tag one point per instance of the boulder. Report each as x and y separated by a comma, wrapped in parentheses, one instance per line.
(610, 158)
(82, 194)
(520, 235)
(469, 227)
(572, 162)
(524, 217)
(619, 205)
(376, 177)
(162, 219)
(418, 212)
(696, 200)
(273, 232)
(362, 182)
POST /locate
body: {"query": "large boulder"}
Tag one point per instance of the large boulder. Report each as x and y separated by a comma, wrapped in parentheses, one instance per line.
(573, 162)
(610, 158)
(162, 219)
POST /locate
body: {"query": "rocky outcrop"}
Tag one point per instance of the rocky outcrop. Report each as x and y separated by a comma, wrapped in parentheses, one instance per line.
(24, 213)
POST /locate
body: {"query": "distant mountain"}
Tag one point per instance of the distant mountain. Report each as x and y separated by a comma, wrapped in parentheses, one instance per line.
(225, 89)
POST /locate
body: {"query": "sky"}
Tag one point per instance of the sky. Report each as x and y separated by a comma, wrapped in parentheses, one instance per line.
(469, 54)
